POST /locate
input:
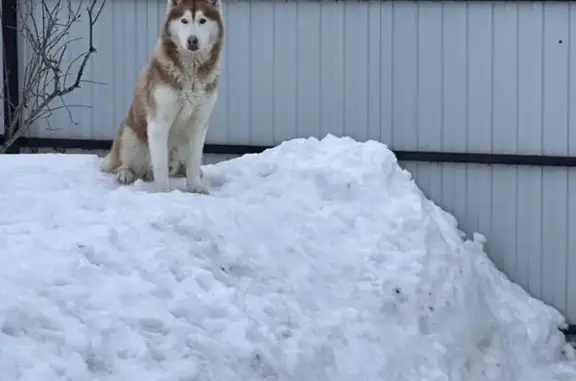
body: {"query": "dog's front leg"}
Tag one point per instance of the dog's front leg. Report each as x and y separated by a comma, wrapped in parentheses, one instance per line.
(196, 139)
(195, 148)
(158, 131)
(159, 124)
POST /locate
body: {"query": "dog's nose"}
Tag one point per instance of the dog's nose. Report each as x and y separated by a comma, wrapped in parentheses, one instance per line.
(193, 43)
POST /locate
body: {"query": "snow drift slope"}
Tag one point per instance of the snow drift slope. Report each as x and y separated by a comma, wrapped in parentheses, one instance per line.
(317, 260)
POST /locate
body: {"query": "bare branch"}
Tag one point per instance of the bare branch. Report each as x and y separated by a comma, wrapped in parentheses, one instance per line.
(46, 27)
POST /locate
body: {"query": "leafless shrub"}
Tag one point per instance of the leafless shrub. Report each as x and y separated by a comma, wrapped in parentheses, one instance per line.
(45, 26)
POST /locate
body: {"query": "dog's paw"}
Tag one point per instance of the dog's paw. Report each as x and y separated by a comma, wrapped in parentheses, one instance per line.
(125, 176)
(197, 188)
(148, 176)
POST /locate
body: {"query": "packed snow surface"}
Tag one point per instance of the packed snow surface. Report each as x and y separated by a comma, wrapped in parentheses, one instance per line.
(316, 260)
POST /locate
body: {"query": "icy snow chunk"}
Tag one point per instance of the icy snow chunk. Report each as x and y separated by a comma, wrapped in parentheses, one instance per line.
(315, 260)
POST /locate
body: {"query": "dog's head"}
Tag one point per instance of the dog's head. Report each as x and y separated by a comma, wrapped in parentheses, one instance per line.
(194, 25)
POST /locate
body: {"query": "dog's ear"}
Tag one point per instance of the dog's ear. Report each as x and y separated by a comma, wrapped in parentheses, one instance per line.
(215, 3)
(173, 3)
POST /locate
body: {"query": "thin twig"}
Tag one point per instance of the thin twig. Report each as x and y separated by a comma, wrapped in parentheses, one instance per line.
(46, 29)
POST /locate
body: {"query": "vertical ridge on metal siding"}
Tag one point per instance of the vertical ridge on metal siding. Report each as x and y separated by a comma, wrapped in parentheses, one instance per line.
(504, 129)
(220, 114)
(555, 141)
(404, 85)
(429, 109)
(239, 79)
(386, 74)
(262, 53)
(571, 190)
(332, 74)
(530, 242)
(285, 72)
(454, 76)
(453, 100)
(356, 55)
(480, 55)
(1, 74)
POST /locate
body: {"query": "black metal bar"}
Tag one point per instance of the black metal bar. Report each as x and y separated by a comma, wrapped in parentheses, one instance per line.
(10, 75)
(419, 156)
(570, 330)
(488, 158)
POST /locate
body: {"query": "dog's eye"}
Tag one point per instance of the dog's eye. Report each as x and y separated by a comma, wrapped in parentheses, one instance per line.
(184, 21)
(202, 21)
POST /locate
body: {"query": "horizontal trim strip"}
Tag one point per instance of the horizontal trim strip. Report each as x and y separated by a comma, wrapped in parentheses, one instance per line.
(487, 158)
(418, 156)
(570, 331)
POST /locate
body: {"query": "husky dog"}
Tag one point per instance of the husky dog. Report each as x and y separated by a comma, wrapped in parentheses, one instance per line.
(164, 132)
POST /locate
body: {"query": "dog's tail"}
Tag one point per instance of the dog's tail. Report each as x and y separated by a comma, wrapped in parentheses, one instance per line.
(111, 161)
(105, 163)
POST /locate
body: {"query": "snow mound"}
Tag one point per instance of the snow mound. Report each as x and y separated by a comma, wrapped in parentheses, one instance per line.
(315, 260)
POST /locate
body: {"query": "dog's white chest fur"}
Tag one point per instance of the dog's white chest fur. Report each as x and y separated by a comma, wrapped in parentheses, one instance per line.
(182, 103)
(189, 99)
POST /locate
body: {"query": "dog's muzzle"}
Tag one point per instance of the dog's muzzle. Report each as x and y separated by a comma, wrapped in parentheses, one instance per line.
(193, 43)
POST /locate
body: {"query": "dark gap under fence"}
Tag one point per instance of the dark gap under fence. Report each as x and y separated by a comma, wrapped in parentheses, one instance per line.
(401, 155)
